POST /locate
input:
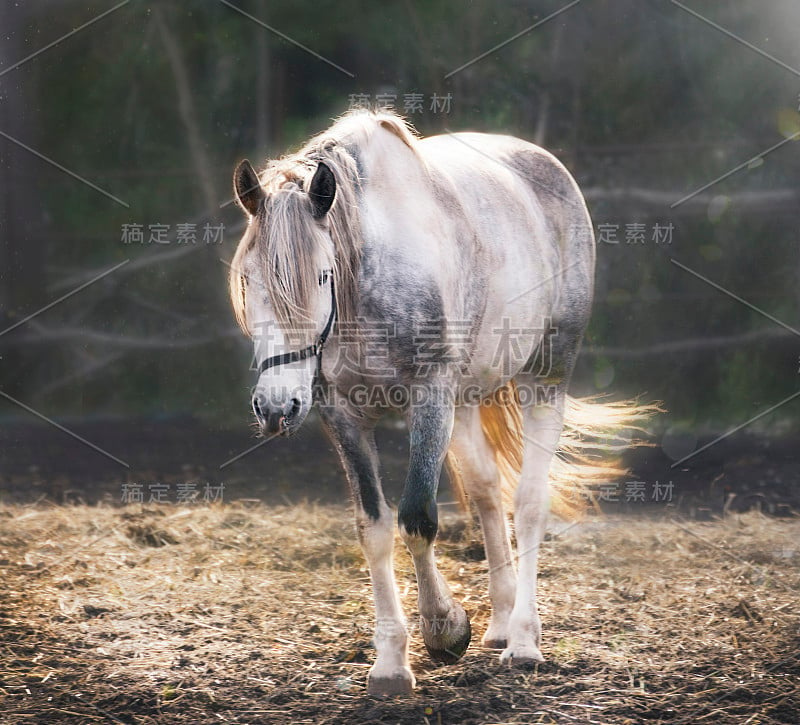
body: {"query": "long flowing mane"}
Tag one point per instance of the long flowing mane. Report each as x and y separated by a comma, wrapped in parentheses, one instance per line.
(284, 235)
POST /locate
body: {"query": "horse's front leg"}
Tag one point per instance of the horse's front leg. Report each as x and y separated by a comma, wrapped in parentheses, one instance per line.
(391, 674)
(444, 624)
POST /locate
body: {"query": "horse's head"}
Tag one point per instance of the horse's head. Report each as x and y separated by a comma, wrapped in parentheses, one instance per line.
(282, 289)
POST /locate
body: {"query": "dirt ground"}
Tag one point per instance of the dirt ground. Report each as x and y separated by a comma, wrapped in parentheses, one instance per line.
(40, 463)
(247, 613)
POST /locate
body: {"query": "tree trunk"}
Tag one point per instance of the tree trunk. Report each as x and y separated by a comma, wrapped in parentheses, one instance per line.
(263, 73)
(188, 112)
(22, 217)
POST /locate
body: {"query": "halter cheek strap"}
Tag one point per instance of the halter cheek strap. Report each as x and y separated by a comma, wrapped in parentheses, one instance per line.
(315, 349)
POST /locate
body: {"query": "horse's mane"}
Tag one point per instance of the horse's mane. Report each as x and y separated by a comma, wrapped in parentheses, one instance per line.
(284, 234)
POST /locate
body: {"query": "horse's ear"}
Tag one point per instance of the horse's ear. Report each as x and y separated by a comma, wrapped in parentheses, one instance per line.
(247, 187)
(322, 190)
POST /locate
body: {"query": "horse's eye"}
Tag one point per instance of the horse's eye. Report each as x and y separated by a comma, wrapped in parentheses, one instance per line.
(323, 277)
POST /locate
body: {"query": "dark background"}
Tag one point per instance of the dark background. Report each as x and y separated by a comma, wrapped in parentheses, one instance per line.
(155, 103)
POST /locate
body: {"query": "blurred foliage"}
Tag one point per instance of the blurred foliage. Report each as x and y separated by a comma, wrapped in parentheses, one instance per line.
(631, 95)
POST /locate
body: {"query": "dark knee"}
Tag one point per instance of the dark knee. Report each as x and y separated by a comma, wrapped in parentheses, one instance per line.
(418, 517)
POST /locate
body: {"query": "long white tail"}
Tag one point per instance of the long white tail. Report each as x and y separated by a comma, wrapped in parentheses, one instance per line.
(594, 435)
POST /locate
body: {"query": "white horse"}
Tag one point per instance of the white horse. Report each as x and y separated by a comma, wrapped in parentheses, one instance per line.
(451, 278)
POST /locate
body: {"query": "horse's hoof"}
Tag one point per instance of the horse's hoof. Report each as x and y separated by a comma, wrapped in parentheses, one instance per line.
(399, 682)
(524, 656)
(496, 634)
(447, 638)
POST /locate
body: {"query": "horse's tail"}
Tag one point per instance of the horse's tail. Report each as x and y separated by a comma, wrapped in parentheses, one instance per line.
(595, 433)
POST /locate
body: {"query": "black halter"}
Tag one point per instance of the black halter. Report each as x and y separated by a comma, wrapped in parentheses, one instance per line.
(315, 349)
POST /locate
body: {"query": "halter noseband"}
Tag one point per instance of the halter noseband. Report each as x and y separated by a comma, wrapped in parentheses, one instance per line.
(315, 349)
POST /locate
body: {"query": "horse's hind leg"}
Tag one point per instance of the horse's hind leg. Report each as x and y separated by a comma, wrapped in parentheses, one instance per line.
(444, 624)
(476, 463)
(390, 675)
(542, 430)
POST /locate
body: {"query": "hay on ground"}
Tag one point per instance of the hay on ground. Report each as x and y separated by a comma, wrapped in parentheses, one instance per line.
(243, 613)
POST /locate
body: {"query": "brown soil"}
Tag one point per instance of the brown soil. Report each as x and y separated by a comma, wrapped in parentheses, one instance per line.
(244, 613)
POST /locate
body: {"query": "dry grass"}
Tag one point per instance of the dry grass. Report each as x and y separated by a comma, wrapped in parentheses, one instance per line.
(252, 614)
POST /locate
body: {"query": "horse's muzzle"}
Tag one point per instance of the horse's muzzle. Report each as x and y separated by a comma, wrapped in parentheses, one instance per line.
(276, 419)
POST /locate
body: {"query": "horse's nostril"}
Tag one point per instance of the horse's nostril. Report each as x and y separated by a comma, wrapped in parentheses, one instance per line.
(257, 409)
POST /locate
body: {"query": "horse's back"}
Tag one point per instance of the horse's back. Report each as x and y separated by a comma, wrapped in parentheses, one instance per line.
(527, 210)
(501, 160)
(504, 181)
